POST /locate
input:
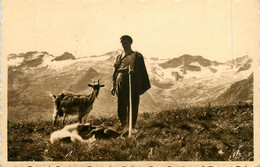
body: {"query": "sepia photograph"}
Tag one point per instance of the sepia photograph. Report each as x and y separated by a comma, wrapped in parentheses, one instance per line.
(129, 83)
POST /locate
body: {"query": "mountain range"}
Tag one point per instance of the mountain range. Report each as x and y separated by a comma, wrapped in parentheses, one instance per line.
(179, 82)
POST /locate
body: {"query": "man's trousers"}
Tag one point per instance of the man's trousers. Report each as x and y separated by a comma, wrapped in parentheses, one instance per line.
(123, 99)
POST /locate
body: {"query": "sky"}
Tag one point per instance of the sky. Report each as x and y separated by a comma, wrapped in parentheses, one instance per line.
(215, 29)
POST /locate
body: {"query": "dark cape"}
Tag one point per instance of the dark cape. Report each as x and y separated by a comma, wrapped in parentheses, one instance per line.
(140, 78)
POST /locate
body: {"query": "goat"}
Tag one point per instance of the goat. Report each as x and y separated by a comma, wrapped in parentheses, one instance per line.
(70, 104)
(72, 133)
(83, 133)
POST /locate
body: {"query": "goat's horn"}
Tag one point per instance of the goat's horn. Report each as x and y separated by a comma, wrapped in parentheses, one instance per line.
(98, 81)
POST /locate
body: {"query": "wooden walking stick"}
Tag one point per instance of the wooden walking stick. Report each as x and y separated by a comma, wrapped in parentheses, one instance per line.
(130, 105)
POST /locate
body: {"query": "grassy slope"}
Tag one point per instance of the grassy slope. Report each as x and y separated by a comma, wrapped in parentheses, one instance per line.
(194, 134)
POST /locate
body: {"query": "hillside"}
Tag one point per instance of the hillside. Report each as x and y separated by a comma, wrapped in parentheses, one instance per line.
(190, 134)
(239, 91)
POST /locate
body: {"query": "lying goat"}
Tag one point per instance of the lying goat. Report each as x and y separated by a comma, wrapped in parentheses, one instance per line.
(83, 133)
(71, 104)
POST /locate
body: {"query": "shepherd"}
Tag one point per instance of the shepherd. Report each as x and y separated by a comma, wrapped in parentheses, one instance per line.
(130, 71)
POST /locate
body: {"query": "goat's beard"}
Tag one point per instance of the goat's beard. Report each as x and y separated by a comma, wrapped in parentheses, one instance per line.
(96, 93)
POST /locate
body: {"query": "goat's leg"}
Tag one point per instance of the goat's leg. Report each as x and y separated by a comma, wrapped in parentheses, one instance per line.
(63, 119)
(55, 116)
(55, 120)
(81, 114)
(80, 118)
(85, 113)
(84, 119)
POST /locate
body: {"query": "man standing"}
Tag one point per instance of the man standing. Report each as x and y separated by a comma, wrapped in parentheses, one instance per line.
(139, 81)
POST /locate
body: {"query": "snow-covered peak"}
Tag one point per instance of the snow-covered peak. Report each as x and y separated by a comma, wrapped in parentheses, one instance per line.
(15, 61)
(31, 59)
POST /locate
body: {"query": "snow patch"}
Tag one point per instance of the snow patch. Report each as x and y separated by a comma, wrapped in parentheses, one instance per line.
(15, 62)
(195, 64)
(35, 56)
(99, 58)
(58, 65)
(168, 73)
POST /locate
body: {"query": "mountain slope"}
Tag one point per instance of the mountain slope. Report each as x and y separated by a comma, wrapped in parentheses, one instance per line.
(33, 77)
(82, 83)
(239, 91)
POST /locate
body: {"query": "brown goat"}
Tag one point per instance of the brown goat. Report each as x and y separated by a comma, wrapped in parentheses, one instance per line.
(70, 104)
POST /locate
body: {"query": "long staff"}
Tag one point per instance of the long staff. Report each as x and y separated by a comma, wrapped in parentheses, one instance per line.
(130, 105)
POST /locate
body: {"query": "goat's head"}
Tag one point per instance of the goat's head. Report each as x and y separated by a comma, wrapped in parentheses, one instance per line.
(96, 86)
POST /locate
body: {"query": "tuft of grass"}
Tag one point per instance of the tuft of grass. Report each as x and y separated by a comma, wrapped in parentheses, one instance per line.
(188, 134)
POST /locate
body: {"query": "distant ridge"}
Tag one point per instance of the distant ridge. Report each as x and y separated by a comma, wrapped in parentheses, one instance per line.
(186, 60)
(64, 56)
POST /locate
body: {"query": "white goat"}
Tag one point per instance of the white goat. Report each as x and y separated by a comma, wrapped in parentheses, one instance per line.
(70, 104)
(72, 132)
(83, 133)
